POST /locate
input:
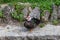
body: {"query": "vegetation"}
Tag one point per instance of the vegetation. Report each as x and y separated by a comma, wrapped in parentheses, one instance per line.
(18, 17)
(17, 14)
(41, 25)
(42, 4)
(55, 22)
(1, 14)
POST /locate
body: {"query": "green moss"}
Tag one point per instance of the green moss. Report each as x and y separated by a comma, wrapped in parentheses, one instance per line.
(17, 16)
(19, 8)
(55, 22)
(42, 25)
(34, 5)
(1, 14)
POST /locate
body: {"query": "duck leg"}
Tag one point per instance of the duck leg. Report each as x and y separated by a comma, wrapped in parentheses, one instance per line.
(31, 30)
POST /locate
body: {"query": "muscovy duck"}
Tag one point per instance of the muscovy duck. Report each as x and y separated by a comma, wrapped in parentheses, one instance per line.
(33, 19)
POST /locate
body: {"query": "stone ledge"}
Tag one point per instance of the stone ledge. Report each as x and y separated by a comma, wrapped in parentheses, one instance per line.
(49, 32)
(31, 38)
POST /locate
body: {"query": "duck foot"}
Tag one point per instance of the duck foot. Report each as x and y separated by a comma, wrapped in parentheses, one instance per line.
(31, 30)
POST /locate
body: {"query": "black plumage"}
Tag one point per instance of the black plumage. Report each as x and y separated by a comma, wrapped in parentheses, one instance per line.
(32, 18)
(32, 23)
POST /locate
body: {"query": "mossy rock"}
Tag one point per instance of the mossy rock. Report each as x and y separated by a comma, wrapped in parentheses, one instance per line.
(41, 25)
(17, 16)
(1, 14)
(55, 22)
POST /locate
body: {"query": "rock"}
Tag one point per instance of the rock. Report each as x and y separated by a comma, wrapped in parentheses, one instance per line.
(49, 32)
(28, 38)
(7, 10)
(2, 38)
(1, 20)
(35, 13)
(26, 11)
(46, 15)
(3, 6)
(11, 8)
(24, 4)
(58, 11)
(54, 12)
(32, 13)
